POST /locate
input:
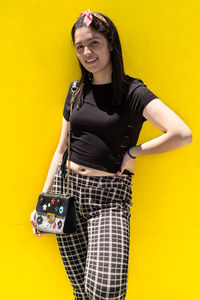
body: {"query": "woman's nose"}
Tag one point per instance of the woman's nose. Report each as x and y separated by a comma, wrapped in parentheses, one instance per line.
(87, 51)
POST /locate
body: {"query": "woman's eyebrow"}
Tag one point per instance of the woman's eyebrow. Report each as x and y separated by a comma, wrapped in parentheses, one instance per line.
(94, 37)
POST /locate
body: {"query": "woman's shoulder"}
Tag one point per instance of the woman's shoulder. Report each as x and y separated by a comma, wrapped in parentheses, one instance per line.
(131, 83)
(133, 87)
(138, 95)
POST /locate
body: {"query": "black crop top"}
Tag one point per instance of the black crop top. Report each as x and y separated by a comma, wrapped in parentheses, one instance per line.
(102, 133)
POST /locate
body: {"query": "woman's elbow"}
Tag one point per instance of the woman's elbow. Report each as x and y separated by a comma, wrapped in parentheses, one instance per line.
(182, 135)
(61, 148)
(186, 136)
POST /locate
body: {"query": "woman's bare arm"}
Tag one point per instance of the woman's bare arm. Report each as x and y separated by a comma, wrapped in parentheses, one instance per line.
(176, 133)
(62, 146)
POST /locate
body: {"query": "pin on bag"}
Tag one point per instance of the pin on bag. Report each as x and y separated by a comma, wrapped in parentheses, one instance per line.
(56, 213)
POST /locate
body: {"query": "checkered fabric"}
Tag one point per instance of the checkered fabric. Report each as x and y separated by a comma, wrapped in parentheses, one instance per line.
(96, 256)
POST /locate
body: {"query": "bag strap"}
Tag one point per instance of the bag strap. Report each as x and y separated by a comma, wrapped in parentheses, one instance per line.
(74, 89)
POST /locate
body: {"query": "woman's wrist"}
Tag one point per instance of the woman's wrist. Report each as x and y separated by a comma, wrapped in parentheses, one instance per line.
(133, 152)
(130, 155)
(46, 190)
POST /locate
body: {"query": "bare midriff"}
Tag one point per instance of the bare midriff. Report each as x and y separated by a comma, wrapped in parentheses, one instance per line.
(83, 170)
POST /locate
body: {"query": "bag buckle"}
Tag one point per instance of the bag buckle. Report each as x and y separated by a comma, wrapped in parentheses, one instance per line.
(50, 217)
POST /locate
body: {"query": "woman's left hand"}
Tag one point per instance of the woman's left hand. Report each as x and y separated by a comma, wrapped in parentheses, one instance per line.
(128, 163)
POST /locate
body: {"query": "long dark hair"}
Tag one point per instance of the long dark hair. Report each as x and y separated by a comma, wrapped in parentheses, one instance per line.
(118, 76)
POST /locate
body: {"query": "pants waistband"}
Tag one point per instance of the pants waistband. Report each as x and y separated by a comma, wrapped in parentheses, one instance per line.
(97, 179)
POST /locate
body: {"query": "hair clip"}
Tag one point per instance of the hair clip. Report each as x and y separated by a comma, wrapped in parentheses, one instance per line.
(89, 17)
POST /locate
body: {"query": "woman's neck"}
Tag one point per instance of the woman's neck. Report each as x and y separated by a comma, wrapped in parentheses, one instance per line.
(102, 79)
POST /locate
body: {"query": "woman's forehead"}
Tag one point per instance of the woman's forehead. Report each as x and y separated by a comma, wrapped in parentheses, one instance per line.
(85, 34)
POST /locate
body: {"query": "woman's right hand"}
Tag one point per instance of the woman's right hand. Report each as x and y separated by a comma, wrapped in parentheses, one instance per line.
(36, 231)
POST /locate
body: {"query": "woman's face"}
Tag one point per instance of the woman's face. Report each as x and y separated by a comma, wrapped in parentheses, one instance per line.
(93, 50)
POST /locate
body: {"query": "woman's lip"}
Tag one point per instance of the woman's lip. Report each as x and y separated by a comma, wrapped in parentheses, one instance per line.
(91, 62)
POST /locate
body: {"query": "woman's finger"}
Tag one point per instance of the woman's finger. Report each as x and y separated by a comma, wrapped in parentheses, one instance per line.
(119, 173)
(123, 167)
(36, 232)
(33, 215)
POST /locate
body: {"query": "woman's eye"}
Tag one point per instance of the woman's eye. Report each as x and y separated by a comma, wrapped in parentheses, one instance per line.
(93, 43)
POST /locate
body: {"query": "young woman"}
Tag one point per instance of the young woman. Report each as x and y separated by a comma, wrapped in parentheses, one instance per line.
(109, 110)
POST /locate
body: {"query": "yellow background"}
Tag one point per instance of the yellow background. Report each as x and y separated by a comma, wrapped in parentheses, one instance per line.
(160, 42)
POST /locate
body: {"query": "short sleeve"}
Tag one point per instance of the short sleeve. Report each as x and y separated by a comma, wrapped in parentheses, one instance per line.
(139, 96)
(66, 110)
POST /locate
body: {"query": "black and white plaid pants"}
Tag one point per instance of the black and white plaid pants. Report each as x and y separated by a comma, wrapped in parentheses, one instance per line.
(96, 256)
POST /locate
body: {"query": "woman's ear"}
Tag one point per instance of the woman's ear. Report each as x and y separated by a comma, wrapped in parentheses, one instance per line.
(110, 47)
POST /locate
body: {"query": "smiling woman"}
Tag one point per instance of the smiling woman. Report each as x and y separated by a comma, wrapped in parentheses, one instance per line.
(93, 52)
(109, 109)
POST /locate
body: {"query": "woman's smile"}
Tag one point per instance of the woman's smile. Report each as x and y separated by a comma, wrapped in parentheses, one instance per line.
(91, 61)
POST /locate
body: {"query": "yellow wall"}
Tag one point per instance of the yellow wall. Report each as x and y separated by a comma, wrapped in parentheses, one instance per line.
(160, 41)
